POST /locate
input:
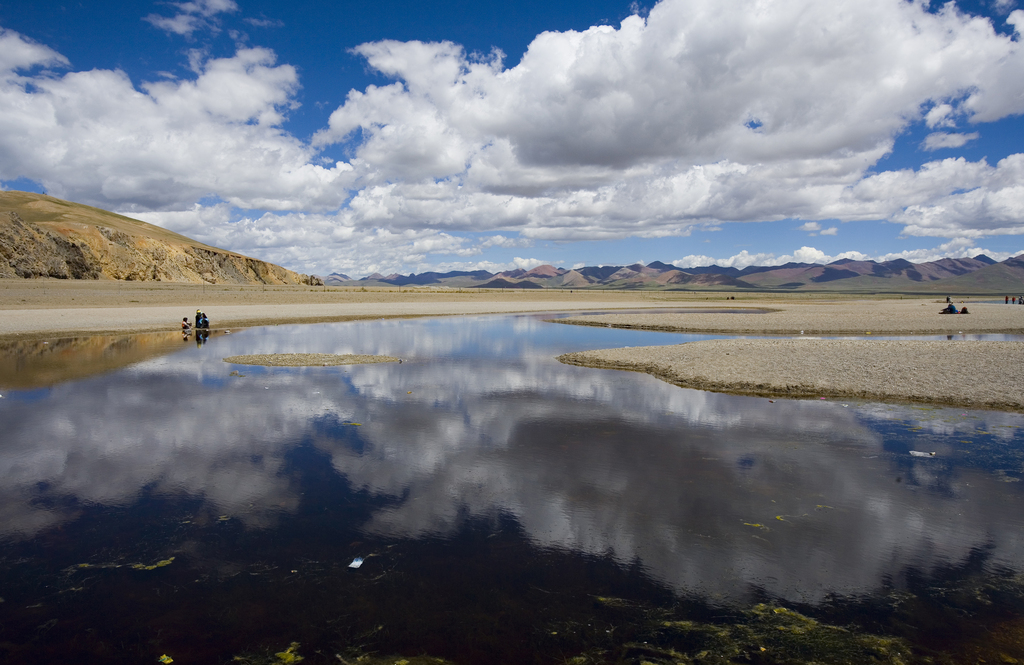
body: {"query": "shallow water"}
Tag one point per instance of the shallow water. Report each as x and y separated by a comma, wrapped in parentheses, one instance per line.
(508, 509)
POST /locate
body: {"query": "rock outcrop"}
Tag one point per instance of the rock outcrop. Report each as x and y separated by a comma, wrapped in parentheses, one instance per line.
(27, 251)
(69, 241)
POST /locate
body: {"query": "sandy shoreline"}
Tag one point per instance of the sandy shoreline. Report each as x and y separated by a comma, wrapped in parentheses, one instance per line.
(45, 309)
(970, 374)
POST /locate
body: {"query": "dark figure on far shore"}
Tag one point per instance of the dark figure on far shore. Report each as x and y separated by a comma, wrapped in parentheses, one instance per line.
(948, 300)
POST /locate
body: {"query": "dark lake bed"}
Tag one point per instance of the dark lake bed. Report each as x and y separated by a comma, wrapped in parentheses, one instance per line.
(506, 509)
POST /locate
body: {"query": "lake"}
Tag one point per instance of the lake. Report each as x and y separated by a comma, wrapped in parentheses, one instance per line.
(505, 508)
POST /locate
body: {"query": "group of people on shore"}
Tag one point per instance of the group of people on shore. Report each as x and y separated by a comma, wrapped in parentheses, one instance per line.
(202, 326)
(951, 308)
(202, 322)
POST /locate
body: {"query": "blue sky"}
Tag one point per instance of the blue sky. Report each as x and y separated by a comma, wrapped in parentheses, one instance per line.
(403, 137)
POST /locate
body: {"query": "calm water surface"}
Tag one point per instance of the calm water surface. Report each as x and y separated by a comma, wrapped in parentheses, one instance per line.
(507, 509)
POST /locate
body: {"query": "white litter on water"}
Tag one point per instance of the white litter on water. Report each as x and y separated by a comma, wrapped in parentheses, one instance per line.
(356, 562)
(918, 453)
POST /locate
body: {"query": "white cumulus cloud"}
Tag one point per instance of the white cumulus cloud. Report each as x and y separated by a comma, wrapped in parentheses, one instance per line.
(95, 138)
(641, 131)
(700, 114)
(937, 140)
(527, 264)
(18, 52)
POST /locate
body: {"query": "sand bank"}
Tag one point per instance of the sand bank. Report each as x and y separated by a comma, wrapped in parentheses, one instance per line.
(987, 375)
(308, 359)
(979, 374)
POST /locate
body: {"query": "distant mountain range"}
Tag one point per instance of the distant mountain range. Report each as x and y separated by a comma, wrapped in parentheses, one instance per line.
(975, 275)
(41, 236)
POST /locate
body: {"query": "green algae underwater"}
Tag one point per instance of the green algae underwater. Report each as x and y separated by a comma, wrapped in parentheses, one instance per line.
(963, 615)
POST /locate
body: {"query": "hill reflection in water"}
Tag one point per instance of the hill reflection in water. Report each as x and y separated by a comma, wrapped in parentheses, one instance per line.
(724, 500)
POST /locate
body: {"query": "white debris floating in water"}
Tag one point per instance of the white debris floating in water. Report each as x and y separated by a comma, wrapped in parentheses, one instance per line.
(356, 562)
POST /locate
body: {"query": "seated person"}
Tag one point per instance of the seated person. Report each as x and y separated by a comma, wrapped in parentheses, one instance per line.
(185, 325)
(964, 310)
(951, 309)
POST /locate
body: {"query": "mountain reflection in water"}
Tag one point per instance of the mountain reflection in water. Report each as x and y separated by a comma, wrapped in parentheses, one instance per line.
(721, 497)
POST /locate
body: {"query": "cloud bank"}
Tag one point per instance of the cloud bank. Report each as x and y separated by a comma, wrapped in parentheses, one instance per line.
(701, 113)
(957, 248)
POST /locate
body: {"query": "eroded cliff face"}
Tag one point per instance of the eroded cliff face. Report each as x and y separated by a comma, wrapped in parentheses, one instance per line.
(69, 250)
(28, 251)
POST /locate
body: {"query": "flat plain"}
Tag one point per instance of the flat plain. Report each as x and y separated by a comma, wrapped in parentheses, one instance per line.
(981, 374)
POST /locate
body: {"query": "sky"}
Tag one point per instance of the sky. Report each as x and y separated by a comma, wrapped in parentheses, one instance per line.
(344, 137)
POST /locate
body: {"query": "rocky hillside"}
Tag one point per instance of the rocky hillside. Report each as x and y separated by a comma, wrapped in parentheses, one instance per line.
(41, 236)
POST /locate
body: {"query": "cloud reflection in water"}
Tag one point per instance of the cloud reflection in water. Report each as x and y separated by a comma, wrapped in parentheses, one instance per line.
(707, 492)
